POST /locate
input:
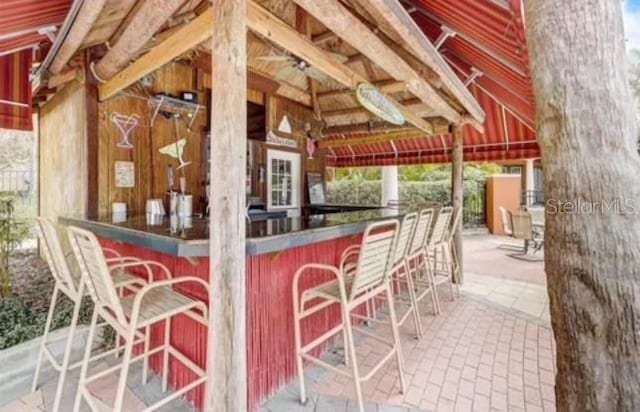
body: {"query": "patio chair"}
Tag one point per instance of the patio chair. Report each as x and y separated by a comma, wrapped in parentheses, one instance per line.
(70, 284)
(418, 261)
(399, 273)
(371, 277)
(155, 302)
(523, 229)
(506, 223)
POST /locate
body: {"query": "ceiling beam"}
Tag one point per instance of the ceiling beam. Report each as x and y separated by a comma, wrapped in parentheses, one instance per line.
(84, 21)
(396, 16)
(339, 20)
(382, 137)
(360, 115)
(148, 19)
(389, 87)
(186, 38)
(265, 24)
(259, 81)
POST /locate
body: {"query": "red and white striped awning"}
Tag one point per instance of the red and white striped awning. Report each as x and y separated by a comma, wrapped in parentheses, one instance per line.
(490, 38)
(26, 26)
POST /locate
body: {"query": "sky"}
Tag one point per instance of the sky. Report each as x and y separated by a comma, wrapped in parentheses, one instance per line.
(632, 23)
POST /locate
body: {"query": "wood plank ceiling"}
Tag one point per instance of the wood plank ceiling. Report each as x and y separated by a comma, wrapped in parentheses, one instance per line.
(321, 73)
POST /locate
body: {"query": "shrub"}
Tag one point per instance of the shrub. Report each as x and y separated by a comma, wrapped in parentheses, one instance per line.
(18, 323)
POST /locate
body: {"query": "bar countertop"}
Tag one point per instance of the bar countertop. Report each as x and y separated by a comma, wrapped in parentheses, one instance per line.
(176, 238)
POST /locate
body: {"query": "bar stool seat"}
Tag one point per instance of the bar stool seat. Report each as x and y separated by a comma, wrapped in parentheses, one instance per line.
(329, 290)
(159, 303)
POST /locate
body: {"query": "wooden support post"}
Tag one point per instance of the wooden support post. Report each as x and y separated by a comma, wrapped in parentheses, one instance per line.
(457, 193)
(227, 349)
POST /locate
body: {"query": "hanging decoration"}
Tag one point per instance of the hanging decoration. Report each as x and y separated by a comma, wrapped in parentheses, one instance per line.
(125, 124)
(372, 99)
(311, 143)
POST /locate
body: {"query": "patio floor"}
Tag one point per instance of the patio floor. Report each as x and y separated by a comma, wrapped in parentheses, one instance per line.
(490, 350)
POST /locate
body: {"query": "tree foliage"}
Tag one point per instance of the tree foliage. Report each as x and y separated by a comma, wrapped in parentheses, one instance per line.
(12, 232)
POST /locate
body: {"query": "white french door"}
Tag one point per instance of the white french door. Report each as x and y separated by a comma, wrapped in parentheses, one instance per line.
(283, 181)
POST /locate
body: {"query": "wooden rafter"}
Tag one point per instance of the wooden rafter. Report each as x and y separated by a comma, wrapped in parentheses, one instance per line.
(361, 115)
(183, 40)
(146, 21)
(392, 14)
(442, 128)
(265, 24)
(87, 16)
(389, 87)
(347, 26)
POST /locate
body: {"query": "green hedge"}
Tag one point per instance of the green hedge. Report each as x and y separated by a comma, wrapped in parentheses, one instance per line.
(18, 323)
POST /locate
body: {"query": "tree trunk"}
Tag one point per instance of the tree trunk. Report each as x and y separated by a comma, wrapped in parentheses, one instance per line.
(587, 135)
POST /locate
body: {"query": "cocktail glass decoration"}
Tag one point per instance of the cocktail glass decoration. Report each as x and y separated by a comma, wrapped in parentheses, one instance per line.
(125, 124)
(176, 150)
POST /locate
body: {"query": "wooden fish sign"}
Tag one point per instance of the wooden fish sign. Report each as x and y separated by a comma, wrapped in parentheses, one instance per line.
(377, 103)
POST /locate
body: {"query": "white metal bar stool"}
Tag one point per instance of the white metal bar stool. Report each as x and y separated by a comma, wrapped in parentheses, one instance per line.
(439, 251)
(449, 272)
(418, 261)
(155, 302)
(71, 285)
(399, 273)
(370, 278)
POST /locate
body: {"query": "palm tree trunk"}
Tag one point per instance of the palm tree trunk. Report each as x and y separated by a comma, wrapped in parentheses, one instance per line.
(586, 131)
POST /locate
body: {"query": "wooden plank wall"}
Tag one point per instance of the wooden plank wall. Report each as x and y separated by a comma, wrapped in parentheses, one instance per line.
(63, 154)
(298, 115)
(150, 165)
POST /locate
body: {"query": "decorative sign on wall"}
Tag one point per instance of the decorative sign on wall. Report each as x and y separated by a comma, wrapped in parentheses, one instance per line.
(276, 140)
(285, 126)
(377, 103)
(125, 174)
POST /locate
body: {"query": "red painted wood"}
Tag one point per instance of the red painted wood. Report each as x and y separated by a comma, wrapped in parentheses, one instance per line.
(270, 346)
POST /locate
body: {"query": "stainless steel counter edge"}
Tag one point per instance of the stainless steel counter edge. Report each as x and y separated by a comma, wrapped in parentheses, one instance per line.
(200, 248)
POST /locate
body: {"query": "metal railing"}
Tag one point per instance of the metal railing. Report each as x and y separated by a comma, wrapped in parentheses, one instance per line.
(17, 181)
(532, 198)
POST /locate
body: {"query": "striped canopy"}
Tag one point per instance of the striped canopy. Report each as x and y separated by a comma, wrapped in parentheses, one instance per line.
(15, 91)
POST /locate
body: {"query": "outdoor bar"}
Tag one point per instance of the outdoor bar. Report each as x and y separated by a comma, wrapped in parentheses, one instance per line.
(198, 135)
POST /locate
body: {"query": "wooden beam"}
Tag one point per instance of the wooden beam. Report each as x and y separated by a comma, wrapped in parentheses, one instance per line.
(260, 82)
(65, 77)
(382, 137)
(457, 192)
(389, 87)
(227, 346)
(394, 15)
(86, 17)
(265, 24)
(339, 20)
(148, 19)
(360, 115)
(186, 38)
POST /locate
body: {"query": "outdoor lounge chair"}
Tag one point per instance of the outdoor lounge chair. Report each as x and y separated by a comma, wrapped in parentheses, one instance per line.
(155, 302)
(71, 285)
(371, 277)
(523, 229)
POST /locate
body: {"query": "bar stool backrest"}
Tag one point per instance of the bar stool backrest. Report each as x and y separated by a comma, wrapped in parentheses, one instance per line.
(54, 256)
(95, 272)
(407, 228)
(374, 260)
(421, 234)
(441, 226)
(506, 224)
